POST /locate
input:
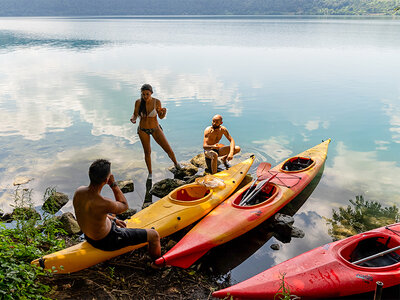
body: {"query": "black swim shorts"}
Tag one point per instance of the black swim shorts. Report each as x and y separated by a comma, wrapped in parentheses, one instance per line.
(119, 238)
(215, 150)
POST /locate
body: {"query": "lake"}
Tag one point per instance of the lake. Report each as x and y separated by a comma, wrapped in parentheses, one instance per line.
(282, 84)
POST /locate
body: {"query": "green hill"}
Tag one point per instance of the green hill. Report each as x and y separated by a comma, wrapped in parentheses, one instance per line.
(196, 7)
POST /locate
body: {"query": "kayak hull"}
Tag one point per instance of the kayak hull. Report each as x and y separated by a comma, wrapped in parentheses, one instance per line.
(230, 220)
(323, 272)
(167, 216)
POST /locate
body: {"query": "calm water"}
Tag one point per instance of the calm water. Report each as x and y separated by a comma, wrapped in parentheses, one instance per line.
(67, 87)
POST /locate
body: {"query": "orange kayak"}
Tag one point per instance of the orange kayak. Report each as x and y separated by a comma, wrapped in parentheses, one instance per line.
(241, 212)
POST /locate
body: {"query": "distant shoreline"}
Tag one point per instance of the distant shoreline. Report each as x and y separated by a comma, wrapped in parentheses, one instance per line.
(289, 16)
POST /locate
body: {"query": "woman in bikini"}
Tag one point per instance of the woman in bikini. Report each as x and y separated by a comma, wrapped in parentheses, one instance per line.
(147, 108)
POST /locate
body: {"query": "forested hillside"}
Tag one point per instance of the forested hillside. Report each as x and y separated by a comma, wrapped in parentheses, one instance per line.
(196, 7)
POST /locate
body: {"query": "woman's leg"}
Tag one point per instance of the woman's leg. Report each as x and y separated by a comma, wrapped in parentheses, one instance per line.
(145, 140)
(160, 138)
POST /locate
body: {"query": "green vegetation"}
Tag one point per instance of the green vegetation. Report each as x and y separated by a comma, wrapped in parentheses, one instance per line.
(196, 7)
(361, 216)
(284, 291)
(27, 240)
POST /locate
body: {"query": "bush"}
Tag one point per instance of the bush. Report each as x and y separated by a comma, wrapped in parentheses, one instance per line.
(27, 240)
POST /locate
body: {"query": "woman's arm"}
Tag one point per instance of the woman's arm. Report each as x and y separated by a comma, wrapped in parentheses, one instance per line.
(135, 111)
(161, 111)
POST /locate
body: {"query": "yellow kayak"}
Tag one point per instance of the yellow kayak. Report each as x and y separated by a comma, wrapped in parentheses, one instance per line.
(178, 209)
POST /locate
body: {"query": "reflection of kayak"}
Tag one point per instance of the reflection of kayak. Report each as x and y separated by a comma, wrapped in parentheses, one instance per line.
(236, 216)
(178, 209)
(331, 270)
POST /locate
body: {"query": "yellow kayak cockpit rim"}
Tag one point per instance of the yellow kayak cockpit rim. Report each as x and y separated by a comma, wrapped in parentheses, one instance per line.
(190, 194)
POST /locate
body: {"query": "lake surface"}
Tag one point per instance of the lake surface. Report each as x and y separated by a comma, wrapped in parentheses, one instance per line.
(282, 84)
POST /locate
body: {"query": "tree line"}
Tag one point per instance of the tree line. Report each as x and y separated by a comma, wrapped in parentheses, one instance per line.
(196, 7)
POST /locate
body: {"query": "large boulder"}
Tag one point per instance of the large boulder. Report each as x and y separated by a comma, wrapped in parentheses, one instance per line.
(199, 161)
(186, 170)
(69, 223)
(55, 202)
(165, 186)
(126, 186)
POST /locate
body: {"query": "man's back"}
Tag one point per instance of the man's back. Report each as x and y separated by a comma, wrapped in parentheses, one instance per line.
(91, 213)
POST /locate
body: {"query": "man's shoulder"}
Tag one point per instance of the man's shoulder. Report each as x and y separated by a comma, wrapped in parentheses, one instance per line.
(208, 128)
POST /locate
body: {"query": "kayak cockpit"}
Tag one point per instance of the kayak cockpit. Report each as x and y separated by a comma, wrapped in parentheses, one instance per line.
(297, 164)
(266, 194)
(190, 194)
(369, 252)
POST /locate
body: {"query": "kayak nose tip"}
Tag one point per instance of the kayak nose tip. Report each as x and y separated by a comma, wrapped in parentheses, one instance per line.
(160, 262)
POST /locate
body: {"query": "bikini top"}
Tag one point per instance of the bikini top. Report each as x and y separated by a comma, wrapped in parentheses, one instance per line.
(153, 113)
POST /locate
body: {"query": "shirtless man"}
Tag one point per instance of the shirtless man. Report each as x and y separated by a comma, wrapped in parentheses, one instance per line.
(92, 211)
(213, 150)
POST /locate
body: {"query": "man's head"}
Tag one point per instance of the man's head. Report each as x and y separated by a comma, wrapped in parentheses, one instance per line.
(217, 121)
(99, 171)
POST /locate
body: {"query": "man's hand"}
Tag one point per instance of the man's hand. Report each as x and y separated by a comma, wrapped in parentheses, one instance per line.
(120, 223)
(111, 180)
(230, 156)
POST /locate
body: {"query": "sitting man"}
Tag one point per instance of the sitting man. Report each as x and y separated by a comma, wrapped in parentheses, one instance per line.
(92, 211)
(213, 150)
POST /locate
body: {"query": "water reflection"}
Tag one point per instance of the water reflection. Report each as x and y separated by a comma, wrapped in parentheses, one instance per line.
(360, 216)
(12, 40)
(148, 198)
(227, 257)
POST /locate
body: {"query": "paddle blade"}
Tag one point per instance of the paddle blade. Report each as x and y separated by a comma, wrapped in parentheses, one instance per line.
(263, 168)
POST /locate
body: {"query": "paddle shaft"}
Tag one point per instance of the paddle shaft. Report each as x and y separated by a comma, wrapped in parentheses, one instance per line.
(376, 255)
(262, 167)
(257, 189)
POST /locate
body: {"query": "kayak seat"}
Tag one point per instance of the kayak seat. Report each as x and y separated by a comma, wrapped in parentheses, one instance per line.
(297, 164)
(370, 247)
(266, 193)
(190, 193)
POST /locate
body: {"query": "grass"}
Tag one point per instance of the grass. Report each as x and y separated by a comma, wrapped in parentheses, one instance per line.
(29, 238)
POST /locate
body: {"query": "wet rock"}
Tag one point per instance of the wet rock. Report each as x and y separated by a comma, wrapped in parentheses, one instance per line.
(191, 179)
(199, 161)
(165, 186)
(282, 227)
(69, 223)
(126, 186)
(21, 213)
(275, 247)
(281, 219)
(19, 180)
(55, 202)
(127, 214)
(186, 170)
(297, 233)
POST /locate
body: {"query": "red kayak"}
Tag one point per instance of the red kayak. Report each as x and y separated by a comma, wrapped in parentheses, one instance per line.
(249, 207)
(346, 267)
